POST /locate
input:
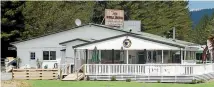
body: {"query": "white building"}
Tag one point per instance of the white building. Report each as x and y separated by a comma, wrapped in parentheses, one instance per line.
(142, 52)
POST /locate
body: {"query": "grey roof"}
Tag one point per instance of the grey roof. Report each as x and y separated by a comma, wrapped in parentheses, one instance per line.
(70, 29)
(168, 40)
(136, 36)
(140, 34)
(77, 39)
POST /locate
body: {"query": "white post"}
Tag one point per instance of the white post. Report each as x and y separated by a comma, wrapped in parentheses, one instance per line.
(162, 57)
(181, 56)
(185, 53)
(127, 57)
(100, 56)
(75, 55)
(152, 59)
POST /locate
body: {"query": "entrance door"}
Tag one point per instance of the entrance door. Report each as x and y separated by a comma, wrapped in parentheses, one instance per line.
(141, 58)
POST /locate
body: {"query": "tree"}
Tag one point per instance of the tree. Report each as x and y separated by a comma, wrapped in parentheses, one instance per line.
(156, 17)
(45, 17)
(203, 29)
(12, 24)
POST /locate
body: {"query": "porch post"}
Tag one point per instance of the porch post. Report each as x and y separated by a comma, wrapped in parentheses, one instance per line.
(113, 56)
(152, 60)
(162, 57)
(185, 53)
(100, 56)
(127, 57)
(75, 65)
(86, 56)
(181, 54)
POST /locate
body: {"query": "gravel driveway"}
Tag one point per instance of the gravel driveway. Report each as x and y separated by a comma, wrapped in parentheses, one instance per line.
(6, 76)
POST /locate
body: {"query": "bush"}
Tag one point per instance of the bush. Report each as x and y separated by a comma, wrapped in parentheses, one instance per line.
(95, 79)
(201, 81)
(158, 81)
(198, 81)
(87, 78)
(194, 81)
(128, 80)
(113, 78)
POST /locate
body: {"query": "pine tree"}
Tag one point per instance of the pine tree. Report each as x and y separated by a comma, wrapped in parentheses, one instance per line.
(157, 17)
(45, 17)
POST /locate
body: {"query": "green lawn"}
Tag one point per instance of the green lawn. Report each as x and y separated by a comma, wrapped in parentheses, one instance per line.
(55, 83)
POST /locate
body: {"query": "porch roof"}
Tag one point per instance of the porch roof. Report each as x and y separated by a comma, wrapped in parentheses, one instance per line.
(138, 43)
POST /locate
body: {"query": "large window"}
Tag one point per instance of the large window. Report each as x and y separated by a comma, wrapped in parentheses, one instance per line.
(32, 55)
(49, 55)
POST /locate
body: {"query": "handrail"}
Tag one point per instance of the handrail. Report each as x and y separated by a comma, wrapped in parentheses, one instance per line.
(148, 69)
(77, 71)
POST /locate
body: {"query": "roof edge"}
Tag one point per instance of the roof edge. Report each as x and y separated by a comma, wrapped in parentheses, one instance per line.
(117, 29)
(74, 40)
(128, 35)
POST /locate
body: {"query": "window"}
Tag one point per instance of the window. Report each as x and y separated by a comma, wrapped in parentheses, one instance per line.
(32, 55)
(49, 55)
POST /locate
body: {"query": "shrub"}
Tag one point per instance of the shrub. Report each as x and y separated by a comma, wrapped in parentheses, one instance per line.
(194, 81)
(201, 81)
(113, 78)
(95, 79)
(87, 78)
(158, 81)
(128, 80)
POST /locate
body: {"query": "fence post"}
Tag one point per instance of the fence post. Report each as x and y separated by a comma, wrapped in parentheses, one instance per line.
(12, 73)
(60, 74)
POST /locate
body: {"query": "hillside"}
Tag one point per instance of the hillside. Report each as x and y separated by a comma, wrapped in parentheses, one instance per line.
(197, 14)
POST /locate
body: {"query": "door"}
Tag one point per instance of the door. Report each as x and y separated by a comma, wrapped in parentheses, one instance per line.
(141, 58)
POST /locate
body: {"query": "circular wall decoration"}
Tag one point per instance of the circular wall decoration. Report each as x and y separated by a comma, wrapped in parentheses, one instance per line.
(127, 43)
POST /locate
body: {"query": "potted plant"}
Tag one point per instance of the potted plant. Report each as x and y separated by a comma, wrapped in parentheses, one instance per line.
(39, 63)
(18, 61)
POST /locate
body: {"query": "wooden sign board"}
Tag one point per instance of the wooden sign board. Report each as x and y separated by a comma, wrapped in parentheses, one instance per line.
(114, 17)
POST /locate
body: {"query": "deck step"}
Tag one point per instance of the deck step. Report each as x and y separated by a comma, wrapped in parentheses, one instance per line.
(73, 76)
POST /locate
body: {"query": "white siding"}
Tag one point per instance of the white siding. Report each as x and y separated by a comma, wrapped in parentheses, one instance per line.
(51, 42)
(137, 44)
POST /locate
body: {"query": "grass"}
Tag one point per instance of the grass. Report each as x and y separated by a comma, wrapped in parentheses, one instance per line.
(56, 83)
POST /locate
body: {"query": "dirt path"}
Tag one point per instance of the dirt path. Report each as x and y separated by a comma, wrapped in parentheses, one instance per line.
(15, 83)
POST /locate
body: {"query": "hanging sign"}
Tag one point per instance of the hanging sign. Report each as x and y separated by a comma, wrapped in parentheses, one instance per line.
(114, 17)
(127, 43)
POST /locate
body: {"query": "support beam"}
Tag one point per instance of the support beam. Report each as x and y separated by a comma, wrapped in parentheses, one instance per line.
(181, 55)
(113, 56)
(75, 56)
(185, 54)
(127, 57)
(162, 56)
(100, 56)
(86, 56)
(152, 59)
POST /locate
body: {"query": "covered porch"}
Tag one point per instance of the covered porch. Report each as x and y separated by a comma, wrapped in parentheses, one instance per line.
(132, 49)
(138, 56)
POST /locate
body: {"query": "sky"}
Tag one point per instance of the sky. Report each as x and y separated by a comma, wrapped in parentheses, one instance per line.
(196, 4)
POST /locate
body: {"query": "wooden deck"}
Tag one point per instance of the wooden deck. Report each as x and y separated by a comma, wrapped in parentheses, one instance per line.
(38, 74)
(150, 72)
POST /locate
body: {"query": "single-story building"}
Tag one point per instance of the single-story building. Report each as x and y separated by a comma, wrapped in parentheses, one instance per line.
(75, 47)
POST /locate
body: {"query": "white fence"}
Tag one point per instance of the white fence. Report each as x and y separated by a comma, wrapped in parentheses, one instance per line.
(148, 69)
(65, 65)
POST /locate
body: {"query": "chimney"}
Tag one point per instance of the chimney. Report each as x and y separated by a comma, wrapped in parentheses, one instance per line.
(134, 25)
(173, 33)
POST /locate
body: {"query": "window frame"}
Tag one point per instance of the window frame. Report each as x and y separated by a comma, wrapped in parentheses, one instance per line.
(34, 56)
(49, 55)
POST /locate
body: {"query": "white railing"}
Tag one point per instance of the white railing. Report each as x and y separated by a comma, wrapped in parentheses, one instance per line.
(148, 69)
(65, 65)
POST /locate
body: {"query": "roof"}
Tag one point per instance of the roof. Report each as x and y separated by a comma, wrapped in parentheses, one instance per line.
(77, 39)
(89, 24)
(136, 36)
(168, 40)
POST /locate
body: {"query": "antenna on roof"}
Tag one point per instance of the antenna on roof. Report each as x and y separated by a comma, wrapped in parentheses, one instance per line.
(78, 22)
